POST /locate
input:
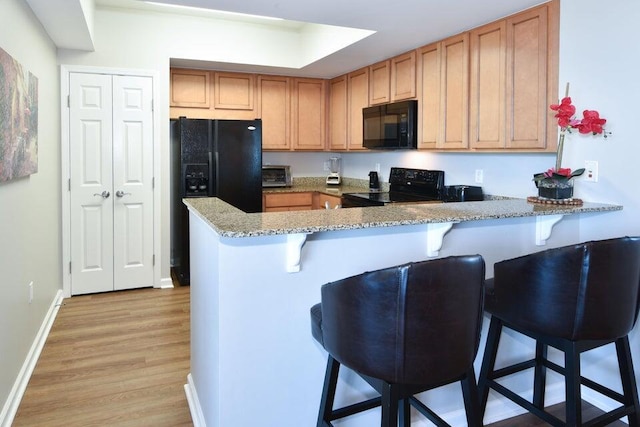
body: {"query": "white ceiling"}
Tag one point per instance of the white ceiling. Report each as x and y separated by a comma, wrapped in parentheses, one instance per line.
(399, 25)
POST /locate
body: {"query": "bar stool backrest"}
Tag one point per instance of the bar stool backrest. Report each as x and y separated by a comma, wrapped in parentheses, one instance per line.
(417, 323)
(589, 291)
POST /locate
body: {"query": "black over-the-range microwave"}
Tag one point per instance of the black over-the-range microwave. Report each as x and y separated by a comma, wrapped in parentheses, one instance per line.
(390, 126)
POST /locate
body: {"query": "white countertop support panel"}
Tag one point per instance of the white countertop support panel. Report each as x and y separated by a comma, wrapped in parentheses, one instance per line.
(435, 237)
(544, 225)
(294, 251)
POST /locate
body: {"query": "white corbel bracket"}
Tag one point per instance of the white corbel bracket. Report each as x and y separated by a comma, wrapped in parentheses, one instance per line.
(544, 225)
(294, 251)
(435, 236)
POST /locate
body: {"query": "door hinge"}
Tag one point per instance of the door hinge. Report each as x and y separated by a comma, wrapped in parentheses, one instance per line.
(69, 267)
(69, 181)
(153, 182)
(152, 105)
(154, 260)
(68, 101)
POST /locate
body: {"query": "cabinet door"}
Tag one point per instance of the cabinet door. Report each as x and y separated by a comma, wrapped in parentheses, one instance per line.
(454, 92)
(338, 113)
(527, 106)
(429, 71)
(487, 110)
(274, 108)
(189, 88)
(308, 114)
(379, 86)
(403, 76)
(324, 201)
(278, 202)
(358, 98)
(234, 91)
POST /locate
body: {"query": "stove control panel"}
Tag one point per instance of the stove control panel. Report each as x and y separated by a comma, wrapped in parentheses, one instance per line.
(420, 177)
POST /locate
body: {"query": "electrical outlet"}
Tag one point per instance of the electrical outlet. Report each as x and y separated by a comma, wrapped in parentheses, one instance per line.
(326, 165)
(591, 170)
(479, 176)
(30, 292)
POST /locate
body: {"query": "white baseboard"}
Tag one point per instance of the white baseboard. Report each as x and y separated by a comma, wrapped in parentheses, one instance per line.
(166, 283)
(19, 387)
(194, 404)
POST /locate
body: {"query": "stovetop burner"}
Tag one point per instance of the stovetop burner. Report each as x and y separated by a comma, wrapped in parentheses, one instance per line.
(405, 186)
(391, 197)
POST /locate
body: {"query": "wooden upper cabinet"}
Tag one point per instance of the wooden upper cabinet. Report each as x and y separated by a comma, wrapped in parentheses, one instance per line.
(358, 98)
(487, 109)
(379, 86)
(308, 114)
(234, 91)
(274, 102)
(189, 88)
(454, 90)
(403, 76)
(338, 112)
(429, 71)
(531, 76)
(444, 71)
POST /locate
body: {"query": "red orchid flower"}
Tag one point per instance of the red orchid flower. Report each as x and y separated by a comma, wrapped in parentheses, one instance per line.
(591, 123)
(562, 171)
(565, 111)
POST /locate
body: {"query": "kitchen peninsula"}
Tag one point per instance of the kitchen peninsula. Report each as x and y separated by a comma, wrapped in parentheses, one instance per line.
(255, 276)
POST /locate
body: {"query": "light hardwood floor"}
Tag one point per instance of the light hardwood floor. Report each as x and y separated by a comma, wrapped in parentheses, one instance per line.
(113, 359)
(122, 358)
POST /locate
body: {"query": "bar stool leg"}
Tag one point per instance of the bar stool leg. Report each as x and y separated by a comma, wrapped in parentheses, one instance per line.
(471, 399)
(572, 386)
(627, 376)
(328, 392)
(540, 375)
(390, 399)
(405, 413)
(488, 362)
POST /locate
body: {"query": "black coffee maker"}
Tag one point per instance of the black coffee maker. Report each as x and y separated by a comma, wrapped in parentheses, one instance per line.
(374, 182)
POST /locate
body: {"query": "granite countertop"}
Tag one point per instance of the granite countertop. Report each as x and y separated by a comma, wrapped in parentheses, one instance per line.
(229, 221)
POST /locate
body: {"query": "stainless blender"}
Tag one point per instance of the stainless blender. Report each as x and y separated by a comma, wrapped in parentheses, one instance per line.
(334, 168)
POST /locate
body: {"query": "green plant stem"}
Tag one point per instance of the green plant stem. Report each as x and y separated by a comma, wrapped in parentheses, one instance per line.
(559, 151)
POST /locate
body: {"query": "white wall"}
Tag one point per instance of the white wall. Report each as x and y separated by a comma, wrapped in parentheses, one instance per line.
(29, 207)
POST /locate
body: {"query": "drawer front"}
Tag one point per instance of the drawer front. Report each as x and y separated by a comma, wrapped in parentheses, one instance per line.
(288, 199)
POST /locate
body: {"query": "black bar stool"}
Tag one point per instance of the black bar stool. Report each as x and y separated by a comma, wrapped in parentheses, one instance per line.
(574, 298)
(404, 330)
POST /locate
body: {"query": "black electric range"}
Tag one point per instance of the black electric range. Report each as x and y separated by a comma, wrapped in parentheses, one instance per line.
(405, 186)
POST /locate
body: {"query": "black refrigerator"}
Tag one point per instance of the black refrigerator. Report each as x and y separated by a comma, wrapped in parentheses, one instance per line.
(212, 158)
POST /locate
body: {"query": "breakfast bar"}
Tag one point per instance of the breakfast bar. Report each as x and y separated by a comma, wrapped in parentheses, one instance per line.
(255, 276)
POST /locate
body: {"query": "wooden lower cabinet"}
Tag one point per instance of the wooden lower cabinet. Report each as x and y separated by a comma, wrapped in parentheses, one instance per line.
(298, 201)
(294, 201)
(324, 201)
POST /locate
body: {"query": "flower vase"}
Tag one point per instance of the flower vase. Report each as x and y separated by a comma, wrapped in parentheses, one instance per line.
(555, 189)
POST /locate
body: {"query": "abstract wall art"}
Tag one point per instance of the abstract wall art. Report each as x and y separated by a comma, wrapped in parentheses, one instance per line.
(18, 119)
